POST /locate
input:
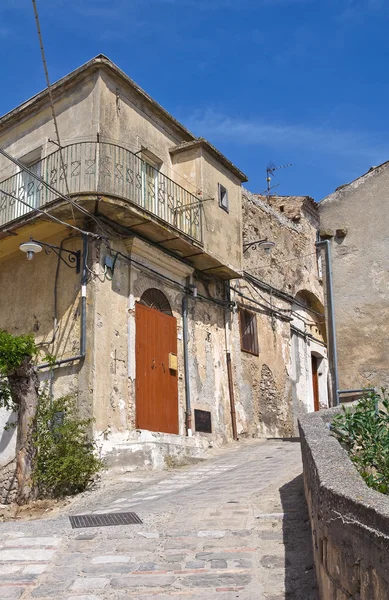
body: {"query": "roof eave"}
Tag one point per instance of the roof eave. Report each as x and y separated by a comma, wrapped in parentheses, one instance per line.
(203, 143)
(30, 105)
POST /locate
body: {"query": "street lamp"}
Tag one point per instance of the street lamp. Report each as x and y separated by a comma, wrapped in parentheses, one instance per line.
(265, 243)
(30, 248)
(72, 260)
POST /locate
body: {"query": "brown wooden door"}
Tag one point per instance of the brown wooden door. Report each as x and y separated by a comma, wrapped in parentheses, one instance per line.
(156, 384)
(315, 383)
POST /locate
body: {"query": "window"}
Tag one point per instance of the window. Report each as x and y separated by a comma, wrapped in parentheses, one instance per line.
(27, 186)
(248, 332)
(223, 197)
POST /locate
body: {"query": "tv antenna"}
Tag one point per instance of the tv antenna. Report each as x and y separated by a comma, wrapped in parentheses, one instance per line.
(270, 173)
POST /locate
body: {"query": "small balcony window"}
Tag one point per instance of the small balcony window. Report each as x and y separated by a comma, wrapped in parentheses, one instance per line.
(223, 197)
(27, 185)
(248, 332)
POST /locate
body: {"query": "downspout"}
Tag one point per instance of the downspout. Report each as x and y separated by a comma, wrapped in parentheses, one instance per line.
(229, 366)
(331, 320)
(82, 354)
(188, 410)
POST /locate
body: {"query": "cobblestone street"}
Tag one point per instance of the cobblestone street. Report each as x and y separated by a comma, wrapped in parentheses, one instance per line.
(234, 526)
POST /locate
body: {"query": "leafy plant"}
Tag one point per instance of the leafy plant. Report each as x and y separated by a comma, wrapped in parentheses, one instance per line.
(14, 349)
(66, 460)
(363, 430)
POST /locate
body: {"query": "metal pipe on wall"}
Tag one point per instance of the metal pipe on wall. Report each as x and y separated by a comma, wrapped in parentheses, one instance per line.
(188, 409)
(232, 397)
(331, 320)
(227, 324)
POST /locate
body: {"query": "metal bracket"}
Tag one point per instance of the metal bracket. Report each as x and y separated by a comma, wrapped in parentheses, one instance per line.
(73, 260)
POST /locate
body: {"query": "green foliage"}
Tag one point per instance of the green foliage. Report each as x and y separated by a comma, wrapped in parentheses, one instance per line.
(364, 431)
(13, 350)
(66, 460)
(5, 396)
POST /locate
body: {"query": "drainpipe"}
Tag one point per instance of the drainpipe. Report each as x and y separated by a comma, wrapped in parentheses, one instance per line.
(331, 320)
(80, 356)
(186, 363)
(229, 365)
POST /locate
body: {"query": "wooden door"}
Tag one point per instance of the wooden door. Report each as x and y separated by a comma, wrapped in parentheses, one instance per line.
(315, 383)
(156, 384)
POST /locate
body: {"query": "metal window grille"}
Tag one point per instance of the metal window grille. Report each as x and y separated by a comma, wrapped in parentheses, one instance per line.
(248, 332)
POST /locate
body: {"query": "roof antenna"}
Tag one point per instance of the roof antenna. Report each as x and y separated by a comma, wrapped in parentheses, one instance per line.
(270, 172)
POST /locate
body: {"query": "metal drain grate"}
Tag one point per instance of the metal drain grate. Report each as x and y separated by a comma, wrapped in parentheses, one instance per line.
(105, 520)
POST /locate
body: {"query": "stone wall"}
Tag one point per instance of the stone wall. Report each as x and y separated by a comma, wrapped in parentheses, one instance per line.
(350, 522)
(8, 482)
(282, 288)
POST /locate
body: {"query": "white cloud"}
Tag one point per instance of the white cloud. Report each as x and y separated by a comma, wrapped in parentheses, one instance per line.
(258, 132)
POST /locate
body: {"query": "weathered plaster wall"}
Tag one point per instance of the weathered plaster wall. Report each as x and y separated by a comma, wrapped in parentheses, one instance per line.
(292, 264)
(275, 387)
(125, 120)
(222, 230)
(208, 364)
(77, 117)
(350, 522)
(27, 306)
(114, 345)
(263, 382)
(360, 277)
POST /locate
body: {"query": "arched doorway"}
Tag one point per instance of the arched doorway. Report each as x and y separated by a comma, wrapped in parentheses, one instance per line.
(156, 369)
(154, 298)
(309, 353)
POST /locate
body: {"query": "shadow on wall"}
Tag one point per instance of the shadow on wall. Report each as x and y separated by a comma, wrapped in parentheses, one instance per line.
(300, 581)
(7, 434)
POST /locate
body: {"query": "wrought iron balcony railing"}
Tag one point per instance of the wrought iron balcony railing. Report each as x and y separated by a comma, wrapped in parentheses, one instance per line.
(103, 169)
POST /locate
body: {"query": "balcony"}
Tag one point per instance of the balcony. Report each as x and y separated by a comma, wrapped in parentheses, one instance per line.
(104, 170)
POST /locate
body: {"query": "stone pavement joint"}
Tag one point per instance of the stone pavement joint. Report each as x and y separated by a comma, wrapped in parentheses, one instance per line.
(233, 527)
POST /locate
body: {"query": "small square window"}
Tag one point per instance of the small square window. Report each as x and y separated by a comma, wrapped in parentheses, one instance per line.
(248, 332)
(223, 198)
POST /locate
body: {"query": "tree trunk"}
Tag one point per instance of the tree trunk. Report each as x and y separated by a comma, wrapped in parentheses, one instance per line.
(24, 386)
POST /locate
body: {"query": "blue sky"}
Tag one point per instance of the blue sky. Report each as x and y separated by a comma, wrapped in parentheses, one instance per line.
(288, 81)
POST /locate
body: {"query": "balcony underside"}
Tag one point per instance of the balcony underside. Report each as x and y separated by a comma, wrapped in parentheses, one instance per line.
(126, 218)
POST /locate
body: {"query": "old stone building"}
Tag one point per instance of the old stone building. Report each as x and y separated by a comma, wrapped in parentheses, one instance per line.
(280, 302)
(134, 231)
(354, 221)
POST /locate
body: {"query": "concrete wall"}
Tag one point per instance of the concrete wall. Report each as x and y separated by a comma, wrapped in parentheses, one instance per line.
(360, 274)
(350, 522)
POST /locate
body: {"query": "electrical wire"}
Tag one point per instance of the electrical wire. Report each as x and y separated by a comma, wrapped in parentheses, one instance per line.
(280, 293)
(51, 100)
(50, 187)
(143, 267)
(52, 217)
(282, 261)
(290, 310)
(55, 317)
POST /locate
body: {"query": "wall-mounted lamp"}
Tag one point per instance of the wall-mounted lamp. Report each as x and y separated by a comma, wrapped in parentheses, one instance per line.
(72, 260)
(265, 244)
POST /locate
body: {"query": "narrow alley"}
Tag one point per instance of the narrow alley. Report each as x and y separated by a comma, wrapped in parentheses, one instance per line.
(234, 526)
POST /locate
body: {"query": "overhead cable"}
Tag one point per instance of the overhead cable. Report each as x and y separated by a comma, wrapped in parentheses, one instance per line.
(51, 99)
(49, 186)
(52, 217)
